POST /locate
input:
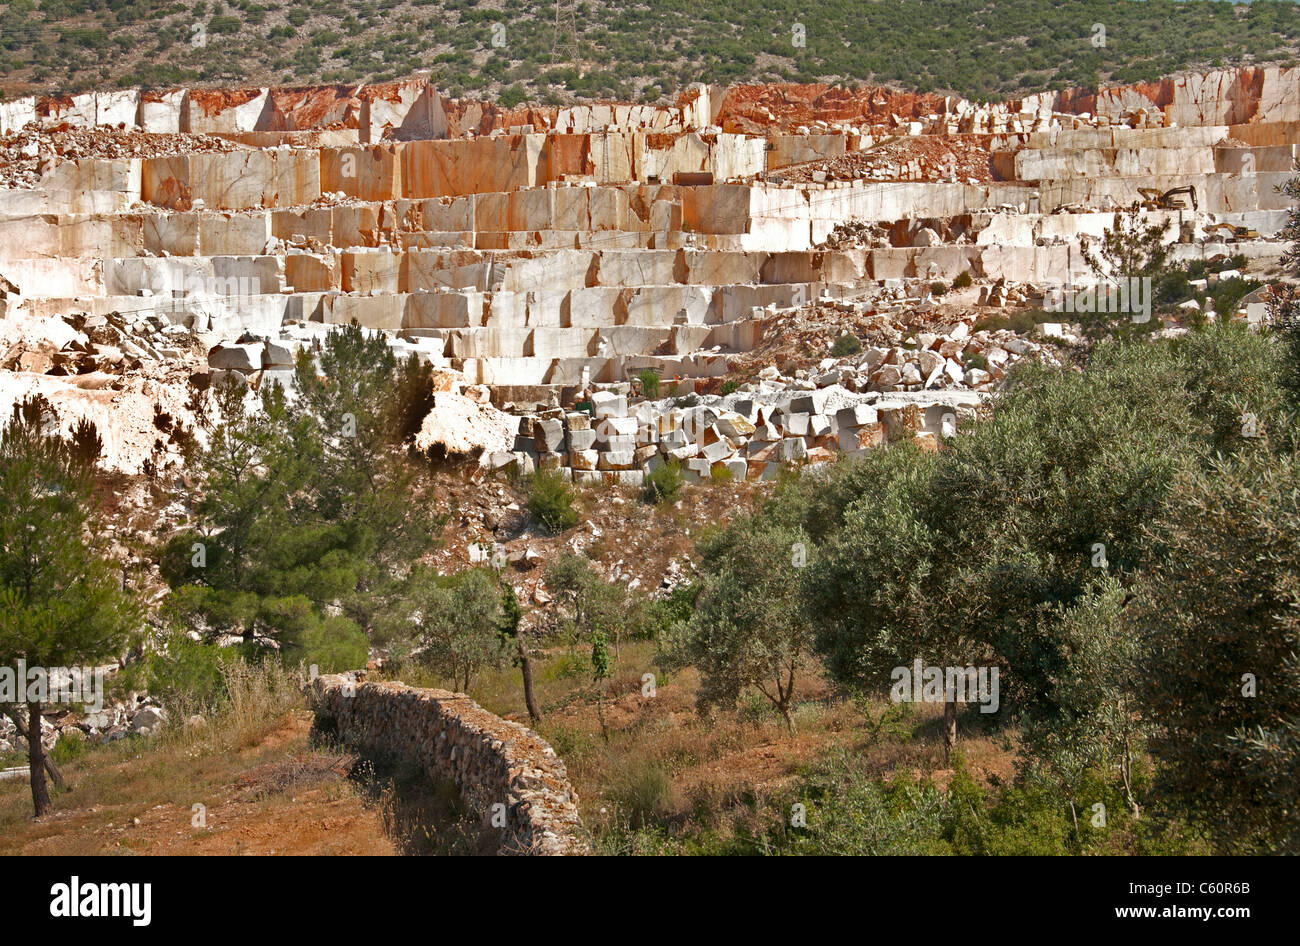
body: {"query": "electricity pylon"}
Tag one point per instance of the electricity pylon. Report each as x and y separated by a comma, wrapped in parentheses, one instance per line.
(565, 46)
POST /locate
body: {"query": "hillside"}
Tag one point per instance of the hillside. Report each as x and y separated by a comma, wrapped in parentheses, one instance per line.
(786, 468)
(503, 50)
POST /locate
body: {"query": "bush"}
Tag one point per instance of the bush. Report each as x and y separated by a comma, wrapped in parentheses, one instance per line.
(729, 386)
(412, 398)
(550, 500)
(649, 383)
(937, 288)
(188, 669)
(963, 280)
(331, 644)
(660, 614)
(68, 749)
(643, 793)
(224, 24)
(846, 345)
(1021, 321)
(512, 96)
(664, 485)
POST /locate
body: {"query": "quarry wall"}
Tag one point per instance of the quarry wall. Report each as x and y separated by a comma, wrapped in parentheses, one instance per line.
(541, 250)
(413, 108)
(508, 776)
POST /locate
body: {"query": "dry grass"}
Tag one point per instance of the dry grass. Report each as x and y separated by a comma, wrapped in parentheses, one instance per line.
(297, 773)
(257, 697)
(660, 764)
(664, 764)
(248, 765)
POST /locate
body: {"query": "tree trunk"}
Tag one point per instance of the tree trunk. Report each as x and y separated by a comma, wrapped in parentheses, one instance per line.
(1126, 770)
(949, 729)
(785, 696)
(36, 761)
(526, 668)
(51, 769)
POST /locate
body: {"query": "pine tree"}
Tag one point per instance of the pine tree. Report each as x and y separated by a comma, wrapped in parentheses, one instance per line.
(61, 602)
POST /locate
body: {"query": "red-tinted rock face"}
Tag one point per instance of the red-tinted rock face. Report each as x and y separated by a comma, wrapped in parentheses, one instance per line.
(317, 107)
(215, 101)
(757, 109)
(414, 108)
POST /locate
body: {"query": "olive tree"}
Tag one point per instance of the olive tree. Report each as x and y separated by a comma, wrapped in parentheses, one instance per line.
(748, 628)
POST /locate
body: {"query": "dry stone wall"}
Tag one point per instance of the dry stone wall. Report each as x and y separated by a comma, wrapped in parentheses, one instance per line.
(507, 774)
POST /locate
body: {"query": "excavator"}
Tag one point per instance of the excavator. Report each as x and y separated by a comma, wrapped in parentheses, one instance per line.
(1234, 233)
(1153, 199)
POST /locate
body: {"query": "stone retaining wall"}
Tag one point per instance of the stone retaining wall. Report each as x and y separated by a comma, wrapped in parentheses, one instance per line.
(492, 761)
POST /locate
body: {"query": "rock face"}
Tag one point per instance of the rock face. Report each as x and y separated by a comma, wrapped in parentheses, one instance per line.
(507, 774)
(539, 251)
(459, 424)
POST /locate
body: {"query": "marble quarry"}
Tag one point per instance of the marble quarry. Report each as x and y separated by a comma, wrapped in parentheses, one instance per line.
(552, 256)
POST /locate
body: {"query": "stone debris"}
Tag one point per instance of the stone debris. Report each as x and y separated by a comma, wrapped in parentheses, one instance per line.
(747, 435)
(127, 373)
(965, 159)
(29, 153)
(135, 714)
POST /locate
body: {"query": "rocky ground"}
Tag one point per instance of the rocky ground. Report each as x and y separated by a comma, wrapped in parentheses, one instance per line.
(955, 158)
(35, 150)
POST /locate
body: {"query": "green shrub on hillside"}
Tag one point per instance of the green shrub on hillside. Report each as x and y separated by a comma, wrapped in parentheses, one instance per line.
(915, 45)
(846, 345)
(649, 384)
(664, 485)
(550, 500)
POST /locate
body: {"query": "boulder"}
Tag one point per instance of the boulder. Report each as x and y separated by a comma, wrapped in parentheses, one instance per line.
(793, 448)
(814, 403)
(734, 426)
(148, 721)
(583, 459)
(623, 459)
(609, 404)
(718, 450)
(548, 435)
(245, 358)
